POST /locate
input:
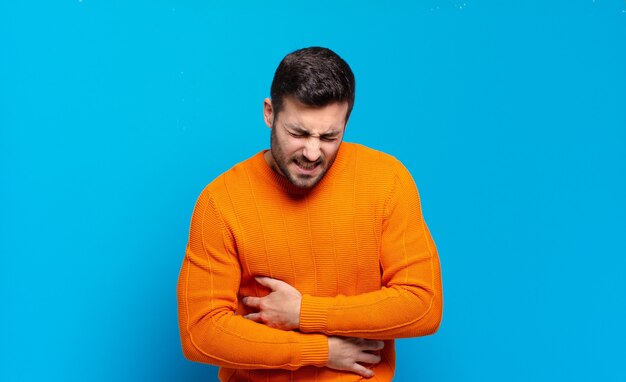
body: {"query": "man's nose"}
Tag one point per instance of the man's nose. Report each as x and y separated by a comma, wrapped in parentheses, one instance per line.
(312, 150)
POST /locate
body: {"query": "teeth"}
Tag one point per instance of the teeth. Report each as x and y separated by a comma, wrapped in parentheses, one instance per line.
(306, 167)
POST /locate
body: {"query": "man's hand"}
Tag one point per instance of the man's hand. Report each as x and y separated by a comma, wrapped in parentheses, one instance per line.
(280, 309)
(348, 354)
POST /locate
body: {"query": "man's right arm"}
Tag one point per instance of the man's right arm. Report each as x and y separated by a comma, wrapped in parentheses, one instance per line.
(210, 330)
(212, 333)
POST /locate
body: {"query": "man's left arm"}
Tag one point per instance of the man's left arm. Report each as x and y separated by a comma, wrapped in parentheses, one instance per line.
(409, 302)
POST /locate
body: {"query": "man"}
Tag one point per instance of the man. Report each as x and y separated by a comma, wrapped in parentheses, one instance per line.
(305, 261)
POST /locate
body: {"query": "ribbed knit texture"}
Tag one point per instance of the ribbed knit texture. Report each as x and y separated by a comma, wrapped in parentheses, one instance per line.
(356, 246)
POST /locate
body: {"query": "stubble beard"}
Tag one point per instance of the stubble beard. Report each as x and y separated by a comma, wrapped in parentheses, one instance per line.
(283, 162)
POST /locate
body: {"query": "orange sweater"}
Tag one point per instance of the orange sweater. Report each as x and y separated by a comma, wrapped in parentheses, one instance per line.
(356, 247)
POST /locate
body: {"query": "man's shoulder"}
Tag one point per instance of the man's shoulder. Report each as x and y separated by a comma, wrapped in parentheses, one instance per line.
(372, 157)
(233, 178)
(377, 166)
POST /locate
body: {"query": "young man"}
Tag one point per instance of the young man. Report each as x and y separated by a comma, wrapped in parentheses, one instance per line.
(305, 261)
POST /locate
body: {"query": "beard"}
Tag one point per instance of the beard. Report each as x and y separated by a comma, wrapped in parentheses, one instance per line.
(282, 161)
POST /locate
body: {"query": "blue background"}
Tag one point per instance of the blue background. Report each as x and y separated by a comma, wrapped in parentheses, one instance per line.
(510, 115)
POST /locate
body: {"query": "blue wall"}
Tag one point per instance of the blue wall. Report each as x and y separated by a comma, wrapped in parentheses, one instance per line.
(510, 115)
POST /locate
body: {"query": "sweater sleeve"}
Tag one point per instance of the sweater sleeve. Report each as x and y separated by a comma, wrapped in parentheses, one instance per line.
(210, 330)
(409, 302)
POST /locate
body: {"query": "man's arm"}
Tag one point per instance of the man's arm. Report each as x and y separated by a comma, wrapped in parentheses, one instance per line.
(212, 333)
(409, 302)
(210, 330)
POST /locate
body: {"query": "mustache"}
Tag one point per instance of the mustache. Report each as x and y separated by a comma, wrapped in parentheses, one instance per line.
(305, 163)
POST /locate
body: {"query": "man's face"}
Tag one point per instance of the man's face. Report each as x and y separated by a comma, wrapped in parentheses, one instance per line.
(305, 139)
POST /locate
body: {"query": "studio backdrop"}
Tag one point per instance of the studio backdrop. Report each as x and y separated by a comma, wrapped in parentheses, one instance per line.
(509, 115)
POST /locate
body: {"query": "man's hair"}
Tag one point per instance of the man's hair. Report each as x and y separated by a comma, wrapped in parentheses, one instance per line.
(314, 76)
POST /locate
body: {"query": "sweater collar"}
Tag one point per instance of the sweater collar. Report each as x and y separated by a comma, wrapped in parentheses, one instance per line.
(263, 169)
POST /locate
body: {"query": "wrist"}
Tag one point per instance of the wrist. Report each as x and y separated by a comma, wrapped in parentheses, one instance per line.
(313, 314)
(315, 350)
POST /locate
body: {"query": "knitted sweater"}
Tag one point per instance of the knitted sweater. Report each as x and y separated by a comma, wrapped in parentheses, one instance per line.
(355, 245)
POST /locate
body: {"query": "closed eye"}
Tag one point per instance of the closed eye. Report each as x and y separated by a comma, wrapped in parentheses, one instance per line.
(329, 138)
(297, 135)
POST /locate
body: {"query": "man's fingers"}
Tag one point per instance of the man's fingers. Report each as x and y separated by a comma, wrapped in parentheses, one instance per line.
(362, 371)
(351, 354)
(252, 302)
(368, 358)
(372, 345)
(367, 344)
(269, 282)
(256, 317)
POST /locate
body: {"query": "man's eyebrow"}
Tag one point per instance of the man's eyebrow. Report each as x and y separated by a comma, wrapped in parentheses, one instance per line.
(296, 128)
(300, 130)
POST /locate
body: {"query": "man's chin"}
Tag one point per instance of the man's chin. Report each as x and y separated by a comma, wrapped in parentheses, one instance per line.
(305, 181)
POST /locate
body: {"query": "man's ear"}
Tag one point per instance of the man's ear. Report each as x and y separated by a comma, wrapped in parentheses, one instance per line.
(268, 112)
